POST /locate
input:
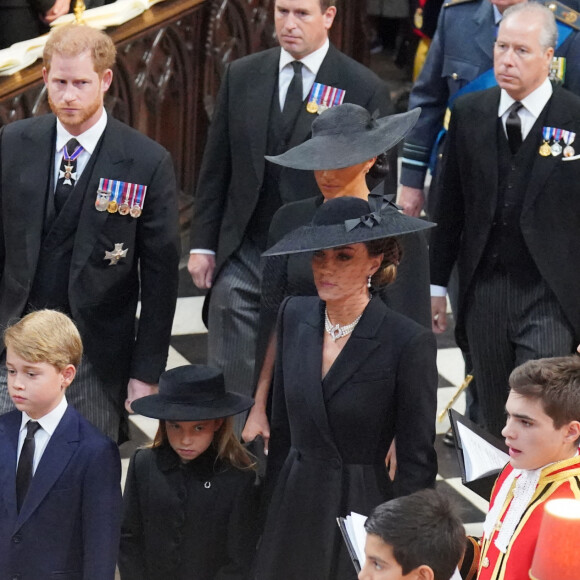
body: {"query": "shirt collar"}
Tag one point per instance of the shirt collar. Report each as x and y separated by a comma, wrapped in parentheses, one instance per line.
(497, 15)
(534, 102)
(312, 62)
(50, 421)
(88, 139)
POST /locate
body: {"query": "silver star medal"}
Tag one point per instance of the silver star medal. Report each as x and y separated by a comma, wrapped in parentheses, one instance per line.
(116, 254)
(67, 174)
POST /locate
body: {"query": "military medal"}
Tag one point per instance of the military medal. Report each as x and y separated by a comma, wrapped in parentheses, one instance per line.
(418, 18)
(137, 200)
(312, 107)
(114, 204)
(124, 205)
(545, 150)
(103, 194)
(569, 139)
(556, 148)
(68, 175)
(322, 97)
(117, 253)
(557, 72)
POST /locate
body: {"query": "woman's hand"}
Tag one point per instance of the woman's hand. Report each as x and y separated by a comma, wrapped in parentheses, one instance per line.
(257, 424)
(391, 461)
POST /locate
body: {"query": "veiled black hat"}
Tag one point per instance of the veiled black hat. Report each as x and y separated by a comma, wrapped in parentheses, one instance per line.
(348, 220)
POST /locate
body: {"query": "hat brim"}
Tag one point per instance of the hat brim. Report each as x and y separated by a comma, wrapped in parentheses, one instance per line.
(344, 150)
(159, 407)
(311, 238)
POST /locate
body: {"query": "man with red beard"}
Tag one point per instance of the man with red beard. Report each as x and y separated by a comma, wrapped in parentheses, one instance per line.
(88, 226)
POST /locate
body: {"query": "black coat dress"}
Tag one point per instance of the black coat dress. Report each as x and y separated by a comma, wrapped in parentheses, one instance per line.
(193, 521)
(330, 438)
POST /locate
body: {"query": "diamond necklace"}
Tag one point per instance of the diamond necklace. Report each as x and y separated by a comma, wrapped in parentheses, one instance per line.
(337, 331)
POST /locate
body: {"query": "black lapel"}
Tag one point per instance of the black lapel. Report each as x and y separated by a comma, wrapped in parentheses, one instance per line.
(310, 368)
(258, 99)
(358, 348)
(38, 144)
(61, 447)
(9, 431)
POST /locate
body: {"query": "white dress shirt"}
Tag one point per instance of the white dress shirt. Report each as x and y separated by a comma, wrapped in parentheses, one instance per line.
(48, 425)
(89, 140)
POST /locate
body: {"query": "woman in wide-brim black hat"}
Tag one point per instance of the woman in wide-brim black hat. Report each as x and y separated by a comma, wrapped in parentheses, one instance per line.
(189, 502)
(351, 375)
(346, 142)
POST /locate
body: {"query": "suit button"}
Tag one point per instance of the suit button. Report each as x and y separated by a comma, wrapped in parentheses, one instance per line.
(454, 76)
(16, 539)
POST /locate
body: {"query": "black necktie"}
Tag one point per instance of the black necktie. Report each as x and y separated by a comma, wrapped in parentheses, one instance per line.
(67, 174)
(513, 127)
(294, 97)
(25, 463)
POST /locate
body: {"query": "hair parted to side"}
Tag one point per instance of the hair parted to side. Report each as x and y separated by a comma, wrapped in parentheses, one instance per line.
(549, 32)
(225, 444)
(392, 254)
(422, 529)
(46, 336)
(75, 39)
(553, 381)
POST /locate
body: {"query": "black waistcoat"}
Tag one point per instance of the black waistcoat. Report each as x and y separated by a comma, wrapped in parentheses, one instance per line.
(50, 286)
(279, 134)
(506, 249)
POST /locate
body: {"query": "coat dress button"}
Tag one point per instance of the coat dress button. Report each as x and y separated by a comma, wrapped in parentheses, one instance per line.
(16, 539)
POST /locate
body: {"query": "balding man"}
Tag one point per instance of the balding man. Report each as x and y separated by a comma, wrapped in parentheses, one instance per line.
(509, 212)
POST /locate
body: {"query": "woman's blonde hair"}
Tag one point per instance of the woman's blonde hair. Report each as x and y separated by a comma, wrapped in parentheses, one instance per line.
(225, 444)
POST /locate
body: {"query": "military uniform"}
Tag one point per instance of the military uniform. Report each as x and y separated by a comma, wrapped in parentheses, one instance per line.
(558, 480)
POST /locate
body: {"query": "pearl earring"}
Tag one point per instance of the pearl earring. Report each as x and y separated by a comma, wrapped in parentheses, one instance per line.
(369, 281)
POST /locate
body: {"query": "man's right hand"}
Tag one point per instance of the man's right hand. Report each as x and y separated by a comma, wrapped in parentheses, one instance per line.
(411, 200)
(201, 267)
(257, 424)
(439, 313)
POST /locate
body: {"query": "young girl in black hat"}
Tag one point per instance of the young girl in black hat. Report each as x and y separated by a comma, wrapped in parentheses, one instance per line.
(190, 502)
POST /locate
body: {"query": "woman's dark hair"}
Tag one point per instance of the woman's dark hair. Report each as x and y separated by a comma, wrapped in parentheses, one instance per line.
(392, 254)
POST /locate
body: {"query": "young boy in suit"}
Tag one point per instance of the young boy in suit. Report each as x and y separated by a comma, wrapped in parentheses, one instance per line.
(542, 433)
(60, 494)
(414, 537)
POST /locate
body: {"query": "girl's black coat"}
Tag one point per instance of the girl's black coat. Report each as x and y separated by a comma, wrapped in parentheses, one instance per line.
(193, 521)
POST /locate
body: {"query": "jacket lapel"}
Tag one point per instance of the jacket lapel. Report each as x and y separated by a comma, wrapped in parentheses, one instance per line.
(60, 449)
(557, 116)
(310, 369)
(38, 144)
(259, 95)
(8, 451)
(112, 162)
(361, 344)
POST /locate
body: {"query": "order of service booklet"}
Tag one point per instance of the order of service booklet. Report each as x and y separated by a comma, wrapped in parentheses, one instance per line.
(481, 455)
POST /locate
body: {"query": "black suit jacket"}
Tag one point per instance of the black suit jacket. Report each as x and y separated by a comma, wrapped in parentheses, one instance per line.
(550, 217)
(69, 524)
(103, 298)
(232, 170)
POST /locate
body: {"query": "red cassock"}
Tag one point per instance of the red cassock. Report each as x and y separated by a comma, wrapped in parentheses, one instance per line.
(558, 480)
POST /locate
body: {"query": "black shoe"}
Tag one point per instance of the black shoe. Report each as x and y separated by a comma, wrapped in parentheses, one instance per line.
(449, 438)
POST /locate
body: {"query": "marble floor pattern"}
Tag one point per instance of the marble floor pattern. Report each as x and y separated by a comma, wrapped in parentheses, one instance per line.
(188, 345)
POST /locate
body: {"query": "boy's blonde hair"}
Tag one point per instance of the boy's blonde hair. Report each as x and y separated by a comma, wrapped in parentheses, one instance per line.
(46, 336)
(74, 40)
